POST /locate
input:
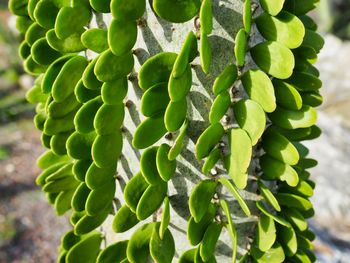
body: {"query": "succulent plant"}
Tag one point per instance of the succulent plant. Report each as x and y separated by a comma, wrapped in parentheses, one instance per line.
(174, 119)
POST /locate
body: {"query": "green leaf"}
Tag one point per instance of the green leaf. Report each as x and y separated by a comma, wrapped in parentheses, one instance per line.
(166, 168)
(155, 100)
(33, 68)
(95, 39)
(205, 53)
(54, 126)
(134, 190)
(230, 187)
(211, 237)
(251, 118)
(122, 36)
(68, 77)
(240, 156)
(42, 53)
(109, 119)
(219, 107)
(178, 11)
(225, 80)
(290, 119)
(86, 250)
(33, 33)
(247, 16)
(200, 198)
(106, 149)
(70, 44)
(49, 158)
(208, 140)
(241, 46)
(114, 253)
(79, 145)
(295, 218)
(302, 149)
(188, 256)
(279, 147)
(211, 161)
(287, 95)
(30, 8)
(138, 247)
(302, 257)
(260, 89)
(71, 20)
(266, 233)
(175, 115)
(308, 22)
(300, 7)
(101, 198)
(313, 99)
(58, 143)
(156, 69)
(124, 220)
(79, 197)
(196, 230)
(313, 40)
(162, 249)
(128, 9)
(97, 177)
(179, 87)
(288, 238)
(88, 223)
(284, 28)
(294, 201)
(307, 163)
(175, 150)
(206, 17)
(303, 189)
(45, 13)
(231, 228)
(69, 239)
(101, 6)
(273, 7)
(274, 255)
(18, 7)
(260, 205)
(60, 109)
(148, 166)
(151, 200)
(305, 81)
(274, 169)
(274, 58)
(301, 134)
(110, 67)
(149, 131)
(35, 95)
(63, 202)
(62, 172)
(90, 80)
(24, 50)
(165, 218)
(84, 119)
(268, 195)
(187, 53)
(114, 92)
(198, 258)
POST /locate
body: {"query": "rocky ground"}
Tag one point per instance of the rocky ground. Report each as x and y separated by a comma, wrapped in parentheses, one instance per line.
(332, 150)
(29, 229)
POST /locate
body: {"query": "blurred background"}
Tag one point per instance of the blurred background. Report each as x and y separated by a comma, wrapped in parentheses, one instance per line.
(29, 229)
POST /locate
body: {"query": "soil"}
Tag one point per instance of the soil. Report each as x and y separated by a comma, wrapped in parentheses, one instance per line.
(29, 229)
